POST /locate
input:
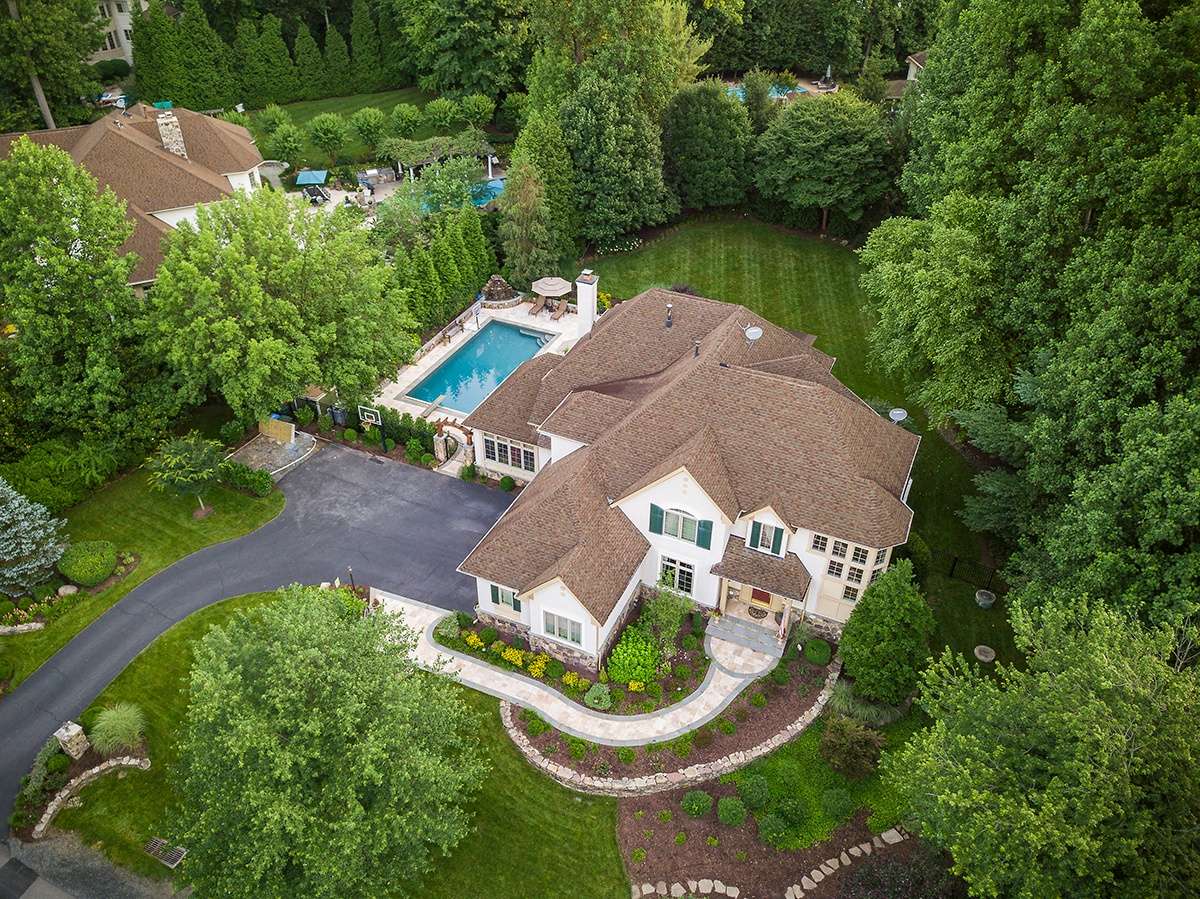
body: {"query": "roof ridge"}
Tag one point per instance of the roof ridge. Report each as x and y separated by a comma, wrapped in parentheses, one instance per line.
(774, 375)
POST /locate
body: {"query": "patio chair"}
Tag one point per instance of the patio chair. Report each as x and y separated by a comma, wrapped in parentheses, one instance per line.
(560, 310)
(538, 305)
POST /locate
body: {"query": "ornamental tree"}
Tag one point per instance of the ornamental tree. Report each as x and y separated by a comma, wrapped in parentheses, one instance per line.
(706, 139)
(404, 120)
(186, 465)
(287, 143)
(328, 132)
(31, 542)
(831, 154)
(886, 641)
(1072, 776)
(316, 758)
(478, 109)
(370, 125)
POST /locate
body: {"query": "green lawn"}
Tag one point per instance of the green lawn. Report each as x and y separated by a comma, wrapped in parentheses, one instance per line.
(797, 771)
(531, 837)
(305, 110)
(811, 285)
(158, 527)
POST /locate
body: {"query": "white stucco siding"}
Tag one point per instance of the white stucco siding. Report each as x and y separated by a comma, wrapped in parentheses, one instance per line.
(554, 597)
(561, 447)
(680, 492)
(496, 468)
(618, 610)
(247, 181)
(174, 216)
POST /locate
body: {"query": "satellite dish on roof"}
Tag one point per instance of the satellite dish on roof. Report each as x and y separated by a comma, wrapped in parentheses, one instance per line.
(753, 332)
(897, 415)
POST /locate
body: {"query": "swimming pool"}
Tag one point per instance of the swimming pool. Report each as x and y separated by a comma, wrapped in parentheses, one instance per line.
(484, 192)
(778, 92)
(469, 375)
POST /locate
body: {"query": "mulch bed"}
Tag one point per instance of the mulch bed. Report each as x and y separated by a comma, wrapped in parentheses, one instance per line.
(738, 859)
(753, 725)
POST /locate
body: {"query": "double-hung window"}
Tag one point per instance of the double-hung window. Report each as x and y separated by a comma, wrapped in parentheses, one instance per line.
(880, 555)
(875, 575)
(835, 568)
(502, 597)
(850, 594)
(766, 537)
(563, 628)
(820, 543)
(854, 575)
(839, 548)
(679, 524)
(677, 574)
(859, 556)
(512, 454)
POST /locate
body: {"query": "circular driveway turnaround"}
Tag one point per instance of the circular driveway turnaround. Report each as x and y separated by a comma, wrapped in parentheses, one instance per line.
(401, 528)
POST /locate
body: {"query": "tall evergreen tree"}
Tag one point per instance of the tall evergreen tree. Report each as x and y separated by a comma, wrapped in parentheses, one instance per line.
(541, 143)
(280, 83)
(424, 286)
(706, 141)
(445, 259)
(31, 542)
(364, 49)
(157, 55)
(250, 66)
(310, 65)
(206, 59)
(479, 249)
(337, 64)
(618, 160)
(525, 226)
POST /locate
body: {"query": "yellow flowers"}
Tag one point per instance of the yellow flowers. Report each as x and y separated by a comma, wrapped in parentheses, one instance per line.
(636, 686)
(537, 665)
(571, 679)
(513, 656)
(473, 641)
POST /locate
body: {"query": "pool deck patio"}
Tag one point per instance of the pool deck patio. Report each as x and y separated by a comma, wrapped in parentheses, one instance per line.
(394, 393)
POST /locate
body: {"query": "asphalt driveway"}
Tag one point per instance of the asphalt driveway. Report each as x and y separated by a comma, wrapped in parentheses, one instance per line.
(399, 527)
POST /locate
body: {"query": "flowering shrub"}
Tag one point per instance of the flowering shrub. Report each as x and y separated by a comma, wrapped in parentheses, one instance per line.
(472, 640)
(513, 656)
(572, 680)
(635, 657)
(637, 686)
(537, 665)
(498, 646)
(620, 245)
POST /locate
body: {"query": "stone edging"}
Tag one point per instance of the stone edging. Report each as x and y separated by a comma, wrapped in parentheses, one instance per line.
(124, 761)
(659, 783)
(11, 629)
(827, 868)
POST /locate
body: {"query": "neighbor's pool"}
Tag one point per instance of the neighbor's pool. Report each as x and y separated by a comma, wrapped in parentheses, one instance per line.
(469, 375)
(486, 191)
(777, 92)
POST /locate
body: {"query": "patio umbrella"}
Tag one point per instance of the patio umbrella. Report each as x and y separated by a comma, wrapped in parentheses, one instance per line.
(311, 176)
(551, 287)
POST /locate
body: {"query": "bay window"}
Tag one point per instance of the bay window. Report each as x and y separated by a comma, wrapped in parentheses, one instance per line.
(510, 453)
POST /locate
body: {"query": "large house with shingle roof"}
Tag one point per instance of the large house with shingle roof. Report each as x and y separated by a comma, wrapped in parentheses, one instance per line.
(687, 439)
(163, 164)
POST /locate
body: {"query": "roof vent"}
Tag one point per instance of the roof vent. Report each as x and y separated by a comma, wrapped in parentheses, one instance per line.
(670, 306)
(897, 415)
(696, 347)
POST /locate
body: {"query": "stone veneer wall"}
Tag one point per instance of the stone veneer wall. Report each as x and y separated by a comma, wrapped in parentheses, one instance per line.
(659, 783)
(9, 630)
(537, 643)
(124, 761)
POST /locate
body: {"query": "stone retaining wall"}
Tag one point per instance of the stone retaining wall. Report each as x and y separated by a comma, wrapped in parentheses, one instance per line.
(124, 761)
(659, 783)
(9, 630)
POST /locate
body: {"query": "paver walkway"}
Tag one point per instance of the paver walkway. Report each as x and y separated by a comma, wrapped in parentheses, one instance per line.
(733, 668)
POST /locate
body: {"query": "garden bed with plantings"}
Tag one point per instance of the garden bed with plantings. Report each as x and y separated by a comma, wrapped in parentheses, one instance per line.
(400, 437)
(765, 826)
(763, 709)
(646, 670)
(115, 731)
(93, 566)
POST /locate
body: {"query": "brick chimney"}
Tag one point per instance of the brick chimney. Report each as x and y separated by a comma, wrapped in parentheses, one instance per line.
(585, 300)
(171, 134)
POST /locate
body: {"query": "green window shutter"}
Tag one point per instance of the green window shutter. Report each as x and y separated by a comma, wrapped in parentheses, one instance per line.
(495, 594)
(777, 543)
(755, 530)
(516, 603)
(704, 533)
(656, 519)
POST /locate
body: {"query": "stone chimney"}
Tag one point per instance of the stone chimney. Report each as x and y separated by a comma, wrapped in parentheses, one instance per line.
(585, 299)
(171, 134)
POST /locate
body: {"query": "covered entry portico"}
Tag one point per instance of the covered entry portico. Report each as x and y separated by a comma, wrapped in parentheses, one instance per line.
(760, 588)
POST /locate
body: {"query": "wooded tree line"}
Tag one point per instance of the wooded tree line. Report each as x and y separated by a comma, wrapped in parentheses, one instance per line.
(1042, 299)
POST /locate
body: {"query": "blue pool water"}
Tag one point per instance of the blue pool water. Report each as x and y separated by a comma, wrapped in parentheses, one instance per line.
(486, 191)
(777, 92)
(469, 375)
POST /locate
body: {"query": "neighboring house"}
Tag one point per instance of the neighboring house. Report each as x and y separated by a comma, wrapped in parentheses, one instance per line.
(916, 63)
(116, 16)
(163, 164)
(689, 439)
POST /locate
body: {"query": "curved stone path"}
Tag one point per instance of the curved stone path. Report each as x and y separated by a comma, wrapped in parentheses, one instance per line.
(732, 669)
(659, 783)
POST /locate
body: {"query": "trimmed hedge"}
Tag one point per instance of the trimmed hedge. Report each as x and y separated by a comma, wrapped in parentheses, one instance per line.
(243, 477)
(731, 811)
(818, 651)
(696, 803)
(89, 562)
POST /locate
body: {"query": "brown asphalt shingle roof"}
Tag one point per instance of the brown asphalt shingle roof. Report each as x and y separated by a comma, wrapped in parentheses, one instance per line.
(511, 418)
(757, 424)
(785, 576)
(124, 152)
(585, 414)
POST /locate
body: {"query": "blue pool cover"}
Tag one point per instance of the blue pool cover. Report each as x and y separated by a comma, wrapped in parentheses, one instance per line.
(469, 375)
